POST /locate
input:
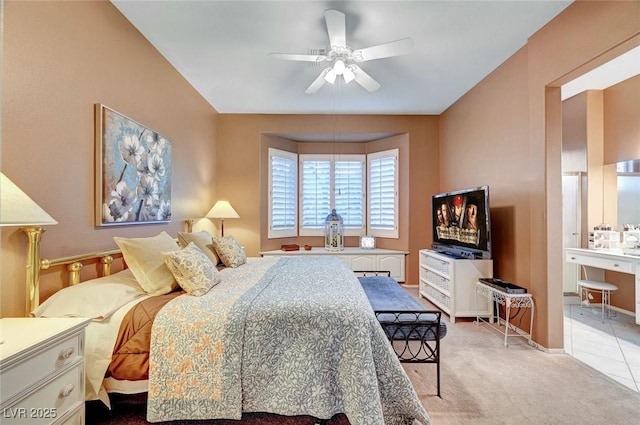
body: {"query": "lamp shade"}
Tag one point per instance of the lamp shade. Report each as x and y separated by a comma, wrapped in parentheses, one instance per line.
(222, 209)
(17, 209)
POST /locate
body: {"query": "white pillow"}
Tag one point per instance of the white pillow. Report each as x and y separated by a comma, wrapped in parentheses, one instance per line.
(144, 258)
(97, 298)
(203, 240)
(194, 272)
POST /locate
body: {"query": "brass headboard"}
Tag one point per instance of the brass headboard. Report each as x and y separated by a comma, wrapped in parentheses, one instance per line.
(73, 263)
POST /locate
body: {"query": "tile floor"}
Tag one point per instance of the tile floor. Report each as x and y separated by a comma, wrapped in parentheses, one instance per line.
(612, 347)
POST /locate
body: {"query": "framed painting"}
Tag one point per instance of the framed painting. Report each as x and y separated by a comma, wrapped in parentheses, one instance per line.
(133, 171)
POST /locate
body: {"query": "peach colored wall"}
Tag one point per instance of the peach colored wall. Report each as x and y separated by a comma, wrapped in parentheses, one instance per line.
(514, 115)
(621, 122)
(59, 59)
(481, 143)
(242, 177)
(574, 133)
(595, 157)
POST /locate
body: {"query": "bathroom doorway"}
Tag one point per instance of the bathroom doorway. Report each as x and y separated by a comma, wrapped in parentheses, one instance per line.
(571, 222)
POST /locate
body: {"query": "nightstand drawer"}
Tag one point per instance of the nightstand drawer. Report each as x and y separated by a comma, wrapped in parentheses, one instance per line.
(50, 402)
(74, 418)
(40, 365)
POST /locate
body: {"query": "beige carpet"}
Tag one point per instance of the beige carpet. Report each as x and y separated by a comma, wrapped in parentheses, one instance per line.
(485, 383)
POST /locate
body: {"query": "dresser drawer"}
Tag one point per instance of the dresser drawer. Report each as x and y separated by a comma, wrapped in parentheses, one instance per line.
(40, 365)
(45, 405)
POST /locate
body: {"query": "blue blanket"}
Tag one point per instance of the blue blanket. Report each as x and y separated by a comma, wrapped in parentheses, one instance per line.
(294, 336)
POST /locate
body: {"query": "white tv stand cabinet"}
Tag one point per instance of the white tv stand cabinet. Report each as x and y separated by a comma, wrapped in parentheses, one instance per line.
(450, 284)
(357, 258)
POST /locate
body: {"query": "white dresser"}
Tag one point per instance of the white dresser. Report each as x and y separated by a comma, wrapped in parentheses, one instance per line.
(357, 258)
(450, 284)
(42, 371)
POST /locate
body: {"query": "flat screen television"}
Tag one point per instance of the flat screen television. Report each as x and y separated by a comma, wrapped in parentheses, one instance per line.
(462, 223)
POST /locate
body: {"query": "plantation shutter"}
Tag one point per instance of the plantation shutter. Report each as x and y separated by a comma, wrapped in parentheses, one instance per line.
(383, 193)
(349, 192)
(283, 193)
(316, 193)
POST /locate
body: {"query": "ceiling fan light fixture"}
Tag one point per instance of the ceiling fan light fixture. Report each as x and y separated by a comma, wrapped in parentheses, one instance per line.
(348, 75)
(339, 67)
(330, 77)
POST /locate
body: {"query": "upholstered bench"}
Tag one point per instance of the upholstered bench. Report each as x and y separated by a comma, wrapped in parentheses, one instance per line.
(413, 330)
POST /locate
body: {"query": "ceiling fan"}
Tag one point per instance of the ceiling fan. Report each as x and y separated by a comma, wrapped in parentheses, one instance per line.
(343, 60)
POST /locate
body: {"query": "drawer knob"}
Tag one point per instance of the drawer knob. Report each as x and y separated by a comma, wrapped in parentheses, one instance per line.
(66, 391)
(68, 352)
(616, 265)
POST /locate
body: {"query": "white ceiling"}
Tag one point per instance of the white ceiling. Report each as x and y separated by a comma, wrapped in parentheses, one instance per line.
(222, 47)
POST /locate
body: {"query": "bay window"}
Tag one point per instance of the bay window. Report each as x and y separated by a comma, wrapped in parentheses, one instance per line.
(303, 189)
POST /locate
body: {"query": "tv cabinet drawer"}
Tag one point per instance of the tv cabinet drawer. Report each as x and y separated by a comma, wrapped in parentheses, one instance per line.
(439, 265)
(441, 300)
(436, 280)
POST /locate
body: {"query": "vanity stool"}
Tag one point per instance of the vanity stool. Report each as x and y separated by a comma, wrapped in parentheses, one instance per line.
(587, 286)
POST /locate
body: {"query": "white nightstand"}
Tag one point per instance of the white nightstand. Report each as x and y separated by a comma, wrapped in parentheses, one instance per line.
(42, 371)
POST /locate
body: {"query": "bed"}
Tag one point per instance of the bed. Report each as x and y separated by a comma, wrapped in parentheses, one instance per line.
(290, 336)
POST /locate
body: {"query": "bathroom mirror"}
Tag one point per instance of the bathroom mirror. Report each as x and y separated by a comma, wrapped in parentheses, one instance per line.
(628, 190)
(621, 194)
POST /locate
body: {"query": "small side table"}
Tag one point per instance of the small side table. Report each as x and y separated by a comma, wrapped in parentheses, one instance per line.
(508, 300)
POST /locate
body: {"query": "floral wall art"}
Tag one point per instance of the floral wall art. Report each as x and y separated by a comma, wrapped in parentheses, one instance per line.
(133, 171)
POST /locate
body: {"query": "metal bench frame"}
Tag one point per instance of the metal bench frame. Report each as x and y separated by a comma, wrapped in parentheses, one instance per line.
(414, 339)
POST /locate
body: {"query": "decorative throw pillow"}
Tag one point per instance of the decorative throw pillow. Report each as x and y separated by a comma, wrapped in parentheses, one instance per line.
(203, 240)
(194, 272)
(144, 258)
(229, 251)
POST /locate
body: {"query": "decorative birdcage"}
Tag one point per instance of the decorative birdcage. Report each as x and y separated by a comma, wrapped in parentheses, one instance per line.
(334, 232)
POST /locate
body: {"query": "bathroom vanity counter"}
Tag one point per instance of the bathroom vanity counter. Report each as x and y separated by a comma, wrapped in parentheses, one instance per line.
(620, 260)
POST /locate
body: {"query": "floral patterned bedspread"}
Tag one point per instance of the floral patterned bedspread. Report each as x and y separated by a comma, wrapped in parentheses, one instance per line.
(291, 336)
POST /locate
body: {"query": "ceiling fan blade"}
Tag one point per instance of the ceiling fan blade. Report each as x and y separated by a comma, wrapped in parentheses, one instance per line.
(385, 50)
(364, 79)
(303, 58)
(336, 27)
(317, 83)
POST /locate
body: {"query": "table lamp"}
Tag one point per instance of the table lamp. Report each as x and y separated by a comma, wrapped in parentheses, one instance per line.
(18, 210)
(222, 210)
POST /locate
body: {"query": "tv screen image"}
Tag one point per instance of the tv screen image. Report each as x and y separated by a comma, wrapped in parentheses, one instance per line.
(461, 223)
